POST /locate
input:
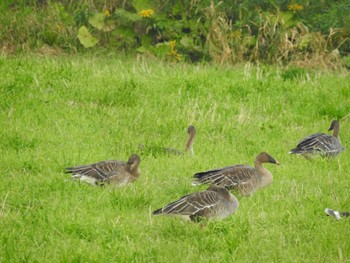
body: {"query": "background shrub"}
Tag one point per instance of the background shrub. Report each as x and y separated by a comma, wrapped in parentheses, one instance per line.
(304, 32)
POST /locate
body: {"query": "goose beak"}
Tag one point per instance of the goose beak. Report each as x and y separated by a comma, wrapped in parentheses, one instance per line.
(273, 160)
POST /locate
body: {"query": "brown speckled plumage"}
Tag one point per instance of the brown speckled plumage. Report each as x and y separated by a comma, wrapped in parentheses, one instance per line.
(243, 178)
(114, 172)
(214, 203)
(321, 144)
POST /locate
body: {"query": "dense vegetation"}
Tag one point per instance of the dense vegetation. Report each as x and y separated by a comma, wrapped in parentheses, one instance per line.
(307, 33)
(62, 111)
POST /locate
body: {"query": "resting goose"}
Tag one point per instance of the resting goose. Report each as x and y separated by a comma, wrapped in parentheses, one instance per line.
(243, 178)
(320, 144)
(118, 173)
(191, 130)
(214, 203)
(338, 215)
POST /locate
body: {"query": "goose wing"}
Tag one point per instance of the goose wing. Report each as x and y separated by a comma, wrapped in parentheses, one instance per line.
(230, 177)
(99, 171)
(319, 143)
(192, 205)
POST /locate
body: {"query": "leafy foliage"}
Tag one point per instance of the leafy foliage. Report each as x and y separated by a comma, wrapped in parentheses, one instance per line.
(85, 38)
(311, 32)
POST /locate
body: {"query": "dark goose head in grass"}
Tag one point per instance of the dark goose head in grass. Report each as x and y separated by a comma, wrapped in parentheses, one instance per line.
(321, 144)
(191, 130)
(214, 203)
(243, 178)
(118, 173)
(336, 214)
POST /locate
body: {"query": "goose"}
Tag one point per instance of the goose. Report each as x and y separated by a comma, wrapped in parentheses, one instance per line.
(338, 215)
(242, 178)
(191, 130)
(118, 173)
(214, 203)
(320, 144)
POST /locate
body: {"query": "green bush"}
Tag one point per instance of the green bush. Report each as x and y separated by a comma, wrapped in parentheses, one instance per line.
(220, 31)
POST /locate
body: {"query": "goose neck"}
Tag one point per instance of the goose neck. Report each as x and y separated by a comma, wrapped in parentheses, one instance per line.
(189, 143)
(336, 130)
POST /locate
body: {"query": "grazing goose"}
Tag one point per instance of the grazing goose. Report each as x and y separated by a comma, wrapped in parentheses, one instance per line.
(338, 215)
(243, 178)
(320, 144)
(114, 172)
(214, 203)
(191, 130)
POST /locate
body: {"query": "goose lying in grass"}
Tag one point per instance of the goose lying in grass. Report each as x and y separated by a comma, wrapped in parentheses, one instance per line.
(338, 215)
(191, 130)
(243, 178)
(118, 173)
(320, 144)
(214, 203)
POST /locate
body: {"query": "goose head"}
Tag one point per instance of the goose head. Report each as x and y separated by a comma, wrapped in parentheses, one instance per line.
(134, 161)
(264, 157)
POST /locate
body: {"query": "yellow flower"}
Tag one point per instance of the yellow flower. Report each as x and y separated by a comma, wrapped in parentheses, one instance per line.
(178, 57)
(173, 54)
(107, 13)
(172, 44)
(295, 7)
(146, 13)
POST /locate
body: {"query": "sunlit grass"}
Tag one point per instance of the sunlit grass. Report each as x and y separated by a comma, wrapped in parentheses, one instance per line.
(59, 112)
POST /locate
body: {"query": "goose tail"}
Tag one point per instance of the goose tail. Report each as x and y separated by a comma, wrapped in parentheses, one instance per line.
(158, 212)
(331, 212)
(336, 214)
(196, 182)
(296, 151)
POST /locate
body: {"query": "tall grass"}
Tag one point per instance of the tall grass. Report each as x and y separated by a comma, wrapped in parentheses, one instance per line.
(58, 112)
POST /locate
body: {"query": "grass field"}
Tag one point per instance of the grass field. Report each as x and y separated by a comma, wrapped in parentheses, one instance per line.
(64, 111)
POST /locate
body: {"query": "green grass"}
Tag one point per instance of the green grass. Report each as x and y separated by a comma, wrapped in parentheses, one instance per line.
(63, 111)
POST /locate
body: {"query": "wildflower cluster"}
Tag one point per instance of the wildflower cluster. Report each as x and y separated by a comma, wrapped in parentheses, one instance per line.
(173, 52)
(295, 7)
(146, 13)
(107, 13)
